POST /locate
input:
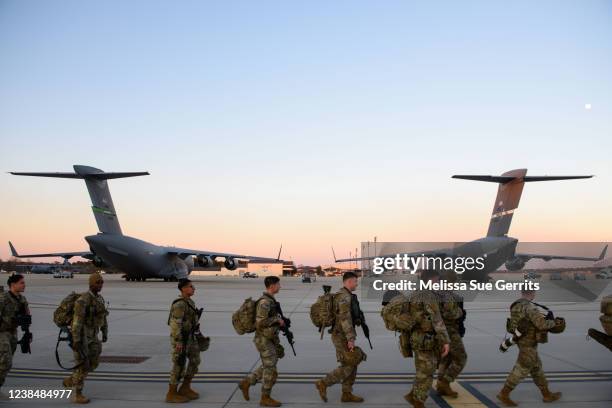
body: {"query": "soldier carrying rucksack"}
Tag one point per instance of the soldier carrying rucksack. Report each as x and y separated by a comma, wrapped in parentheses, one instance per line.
(85, 316)
(263, 317)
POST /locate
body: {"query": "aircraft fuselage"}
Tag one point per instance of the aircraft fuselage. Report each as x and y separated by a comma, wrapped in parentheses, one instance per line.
(138, 258)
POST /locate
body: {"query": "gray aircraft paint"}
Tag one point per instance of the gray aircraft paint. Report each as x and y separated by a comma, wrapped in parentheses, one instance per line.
(133, 256)
(497, 248)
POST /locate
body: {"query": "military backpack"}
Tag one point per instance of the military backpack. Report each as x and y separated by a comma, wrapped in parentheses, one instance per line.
(397, 306)
(62, 316)
(243, 319)
(322, 312)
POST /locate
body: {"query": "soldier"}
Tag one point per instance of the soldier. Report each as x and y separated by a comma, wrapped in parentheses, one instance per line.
(428, 336)
(183, 321)
(88, 320)
(13, 305)
(343, 336)
(451, 309)
(267, 325)
(535, 327)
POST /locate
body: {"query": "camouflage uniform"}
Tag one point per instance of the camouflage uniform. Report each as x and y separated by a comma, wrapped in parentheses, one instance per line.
(183, 319)
(10, 307)
(528, 361)
(267, 342)
(88, 320)
(454, 362)
(428, 334)
(342, 332)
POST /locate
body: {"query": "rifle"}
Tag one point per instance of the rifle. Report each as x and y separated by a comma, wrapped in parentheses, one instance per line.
(24, 321)
(285, 329)
(359, 318)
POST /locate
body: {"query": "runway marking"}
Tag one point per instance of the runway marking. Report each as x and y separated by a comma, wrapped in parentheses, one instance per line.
(365, 378)
(464, 400)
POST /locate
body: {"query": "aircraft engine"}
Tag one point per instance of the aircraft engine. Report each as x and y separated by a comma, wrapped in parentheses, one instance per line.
(205, 261)
(515, 263)
(230, 263)
(98, 262)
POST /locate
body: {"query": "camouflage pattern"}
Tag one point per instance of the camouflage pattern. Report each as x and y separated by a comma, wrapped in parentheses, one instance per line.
(10, 306)
(182, 319)
(267, 343)
(342, 332)
(454, 362)
(428, 334)
(88, 321)
(528, 361)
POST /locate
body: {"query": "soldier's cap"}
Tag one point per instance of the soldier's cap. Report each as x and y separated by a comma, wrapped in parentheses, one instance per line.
(183, 282)
(95, 278)
(389, 295)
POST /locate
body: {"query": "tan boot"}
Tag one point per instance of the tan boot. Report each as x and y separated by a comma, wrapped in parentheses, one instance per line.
(267, 401)
(244, 386)
(504, 397)
(548, 396)
(350, 397)
(79, 398)
(174, 396)
(322, 388)
(186, 391)
(413, 401)
(444, 389)
(67, 382)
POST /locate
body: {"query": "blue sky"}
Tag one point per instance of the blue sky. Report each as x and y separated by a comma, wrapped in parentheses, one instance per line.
(305, 122)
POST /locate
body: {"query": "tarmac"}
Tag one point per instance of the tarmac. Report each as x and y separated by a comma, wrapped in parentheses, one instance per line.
(137, 362)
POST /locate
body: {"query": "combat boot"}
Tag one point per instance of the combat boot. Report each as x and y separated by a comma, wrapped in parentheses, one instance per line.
(412, 401)
(267, 401)
(186, 391)
(67, 382)
(548, 396)
(350, 397)
(322, 388)
(174, 396)
(79, 398)
(504, 397)
(244, 386)
(444, 388)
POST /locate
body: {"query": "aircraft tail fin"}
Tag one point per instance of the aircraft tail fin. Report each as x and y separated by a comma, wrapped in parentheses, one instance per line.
(101, 200)
(509, 195)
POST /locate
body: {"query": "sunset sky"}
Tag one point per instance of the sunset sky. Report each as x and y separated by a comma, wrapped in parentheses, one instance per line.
(307, 123)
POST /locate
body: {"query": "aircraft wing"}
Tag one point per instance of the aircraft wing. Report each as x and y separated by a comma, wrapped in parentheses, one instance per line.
(184, 253)
(527, 257)
(432, 254)
(65, 255)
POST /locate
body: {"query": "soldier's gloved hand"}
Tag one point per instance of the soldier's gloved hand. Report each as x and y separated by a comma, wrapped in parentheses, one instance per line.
(350, 345)
(445, 350)
(104, 337)
(281, 322)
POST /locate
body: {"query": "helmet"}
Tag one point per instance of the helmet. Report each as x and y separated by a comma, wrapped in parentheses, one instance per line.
(203, 342)
(559, 326)
(354, 357)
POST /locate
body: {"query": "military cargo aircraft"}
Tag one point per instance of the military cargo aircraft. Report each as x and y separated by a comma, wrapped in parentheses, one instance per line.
(138, 259)
(497, 248)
